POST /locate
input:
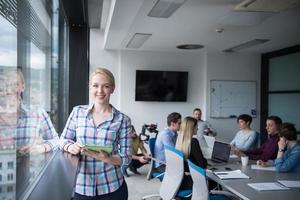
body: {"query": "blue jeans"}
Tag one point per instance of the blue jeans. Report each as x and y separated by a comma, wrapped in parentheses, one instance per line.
(119, 194)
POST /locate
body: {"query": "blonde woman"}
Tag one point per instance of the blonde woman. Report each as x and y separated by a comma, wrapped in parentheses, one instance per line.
(99, 175)
(190, 147)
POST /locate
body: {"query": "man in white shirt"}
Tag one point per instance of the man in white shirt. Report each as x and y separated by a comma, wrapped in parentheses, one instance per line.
(203, 126)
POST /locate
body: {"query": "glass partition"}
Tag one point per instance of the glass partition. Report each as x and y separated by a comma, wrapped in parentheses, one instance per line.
(30, 41)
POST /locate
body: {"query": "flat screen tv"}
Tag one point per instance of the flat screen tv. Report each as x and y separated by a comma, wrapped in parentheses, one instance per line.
(161, 85)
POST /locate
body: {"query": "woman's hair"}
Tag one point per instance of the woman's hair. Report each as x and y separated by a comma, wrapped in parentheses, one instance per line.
(186, 133)
(246, 118)
(104, 72)
(288, 131)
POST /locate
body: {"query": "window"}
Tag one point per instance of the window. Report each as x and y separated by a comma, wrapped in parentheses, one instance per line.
(0, 165)
(10, 177)
(10, 165)
(0, 177)
(10, 188)
(281, 85)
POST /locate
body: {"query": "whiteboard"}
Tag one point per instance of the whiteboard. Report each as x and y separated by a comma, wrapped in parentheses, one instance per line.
(229, 99)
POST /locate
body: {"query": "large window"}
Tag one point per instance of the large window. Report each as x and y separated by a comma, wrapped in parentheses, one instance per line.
(281, 85)
(34, 39)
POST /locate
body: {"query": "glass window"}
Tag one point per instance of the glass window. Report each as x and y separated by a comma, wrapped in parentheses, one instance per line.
(0, 177)
(10, 165)
(284, 73)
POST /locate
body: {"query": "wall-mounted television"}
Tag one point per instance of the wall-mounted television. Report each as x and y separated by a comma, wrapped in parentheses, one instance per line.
(161, 85)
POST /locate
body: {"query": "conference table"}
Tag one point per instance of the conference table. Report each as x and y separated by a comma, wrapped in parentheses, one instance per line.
(240, 188)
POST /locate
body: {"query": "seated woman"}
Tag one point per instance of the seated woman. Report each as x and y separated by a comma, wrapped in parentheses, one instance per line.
(190, 147)
(246, 137)
(268, 150)
(288, 156)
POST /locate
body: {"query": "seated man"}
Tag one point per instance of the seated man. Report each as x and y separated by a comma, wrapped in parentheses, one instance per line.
(166, 137)
(138, 159)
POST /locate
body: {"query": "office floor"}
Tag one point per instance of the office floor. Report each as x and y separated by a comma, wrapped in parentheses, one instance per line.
(139, 186)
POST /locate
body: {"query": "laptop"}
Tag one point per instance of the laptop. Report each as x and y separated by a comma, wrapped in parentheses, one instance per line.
(220, 154)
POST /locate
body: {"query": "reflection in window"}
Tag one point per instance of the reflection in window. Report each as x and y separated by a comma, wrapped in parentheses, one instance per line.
(10, 165)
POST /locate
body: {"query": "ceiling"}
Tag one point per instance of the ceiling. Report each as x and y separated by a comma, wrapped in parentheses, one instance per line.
(195, 22)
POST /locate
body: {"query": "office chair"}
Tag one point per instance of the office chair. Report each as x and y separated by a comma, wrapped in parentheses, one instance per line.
(200, 189)
(152, 173)
(173, 176)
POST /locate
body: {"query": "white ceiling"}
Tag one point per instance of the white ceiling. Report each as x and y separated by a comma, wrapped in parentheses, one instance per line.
(196, 22)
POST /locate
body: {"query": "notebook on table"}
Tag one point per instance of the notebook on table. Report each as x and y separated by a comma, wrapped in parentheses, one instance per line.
(220, 154)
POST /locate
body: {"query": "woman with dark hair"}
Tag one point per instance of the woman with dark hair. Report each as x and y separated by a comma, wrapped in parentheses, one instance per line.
(245, 137)
(268, 150)
(288, 156)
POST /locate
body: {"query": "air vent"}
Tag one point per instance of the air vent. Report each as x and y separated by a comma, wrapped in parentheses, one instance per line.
(266, 5)
(165, 8)
(137, 40)
(246, 45)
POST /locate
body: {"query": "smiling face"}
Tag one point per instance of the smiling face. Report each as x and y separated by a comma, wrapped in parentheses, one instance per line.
(101, 88)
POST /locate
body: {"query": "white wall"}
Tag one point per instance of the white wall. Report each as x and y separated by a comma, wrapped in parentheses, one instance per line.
(232, 66)
(202, 67)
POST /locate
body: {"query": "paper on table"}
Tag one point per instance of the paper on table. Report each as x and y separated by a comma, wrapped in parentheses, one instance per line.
(288, 183)
(258, 167)
(267, 186)
(236, 174)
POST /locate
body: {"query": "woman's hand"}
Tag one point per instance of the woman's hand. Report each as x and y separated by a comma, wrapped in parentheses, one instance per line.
(74, 148)
(102, 155)
(33, 148)
(238, 152)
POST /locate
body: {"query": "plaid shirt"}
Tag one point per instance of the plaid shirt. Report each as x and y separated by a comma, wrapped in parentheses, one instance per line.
(35, 127)
(96, 177)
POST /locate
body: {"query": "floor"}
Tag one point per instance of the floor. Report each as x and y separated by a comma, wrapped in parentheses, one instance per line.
(139, 186)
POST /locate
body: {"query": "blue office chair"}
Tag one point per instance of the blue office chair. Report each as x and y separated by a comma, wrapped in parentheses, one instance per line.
(200, 189)
(152, 173)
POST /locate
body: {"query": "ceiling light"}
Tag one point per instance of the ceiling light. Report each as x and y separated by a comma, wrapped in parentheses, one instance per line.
(246, 45)
(165, 8)
(137, 40)
(189, 46)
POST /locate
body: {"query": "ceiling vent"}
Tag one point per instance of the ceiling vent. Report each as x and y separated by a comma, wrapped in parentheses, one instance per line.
(266, 5)
(246, 45)
(165, 8)
(137, 40)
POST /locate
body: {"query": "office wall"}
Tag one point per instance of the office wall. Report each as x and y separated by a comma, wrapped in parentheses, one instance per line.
(202, 67)
(232, 66)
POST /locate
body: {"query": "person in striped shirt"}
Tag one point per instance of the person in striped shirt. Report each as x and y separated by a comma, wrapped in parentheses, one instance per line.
(34, 132)
(99, 175)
